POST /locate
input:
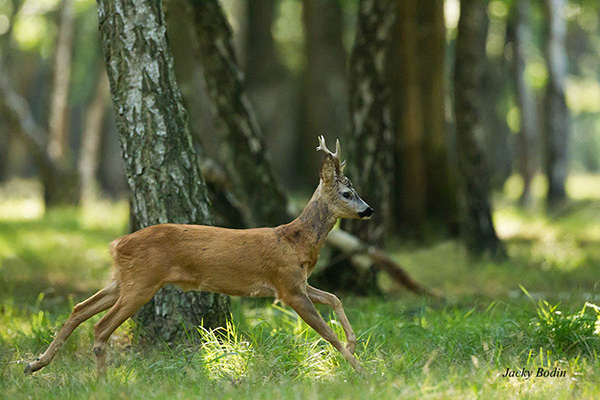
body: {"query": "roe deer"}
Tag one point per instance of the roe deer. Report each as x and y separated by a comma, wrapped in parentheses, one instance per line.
(240, 262)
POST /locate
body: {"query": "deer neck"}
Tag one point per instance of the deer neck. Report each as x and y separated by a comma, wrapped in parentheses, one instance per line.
(310, 229)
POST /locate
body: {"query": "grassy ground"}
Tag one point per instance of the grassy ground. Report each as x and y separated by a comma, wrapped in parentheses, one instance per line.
(535, 310)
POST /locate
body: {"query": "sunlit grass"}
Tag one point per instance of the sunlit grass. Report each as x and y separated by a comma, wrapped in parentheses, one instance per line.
(412, 347)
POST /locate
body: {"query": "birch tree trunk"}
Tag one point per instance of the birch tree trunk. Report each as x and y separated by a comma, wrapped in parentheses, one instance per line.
(161, 164)
(369, 146)
(556, 118)
(477, 226)
(248, 160)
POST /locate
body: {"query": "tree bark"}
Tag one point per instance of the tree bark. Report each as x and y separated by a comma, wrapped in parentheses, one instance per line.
(161, 164)
(411, 183)
(91, 138)
(248, 161)
(525, 100)
(478, 228)
(58, 140)
(369, 146)
(190, 76)
(441, 178)
(325, 89)
(556, 118)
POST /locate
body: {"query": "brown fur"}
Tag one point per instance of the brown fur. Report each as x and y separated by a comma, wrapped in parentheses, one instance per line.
(249, 262)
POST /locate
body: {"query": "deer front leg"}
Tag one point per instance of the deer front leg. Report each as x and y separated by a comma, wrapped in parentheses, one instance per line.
(307, 311)
(322, 297)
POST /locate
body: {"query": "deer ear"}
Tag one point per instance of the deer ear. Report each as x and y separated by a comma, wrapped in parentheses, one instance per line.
(328, 170)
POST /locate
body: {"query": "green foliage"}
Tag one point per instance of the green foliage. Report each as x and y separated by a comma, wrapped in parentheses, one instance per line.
(565, 332)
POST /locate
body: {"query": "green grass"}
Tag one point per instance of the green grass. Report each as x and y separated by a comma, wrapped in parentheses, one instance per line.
(537, 309)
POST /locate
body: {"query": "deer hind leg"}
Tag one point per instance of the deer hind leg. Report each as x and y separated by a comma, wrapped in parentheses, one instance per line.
(125, 307)
(99, 302)
(319, 296)
(307, 311)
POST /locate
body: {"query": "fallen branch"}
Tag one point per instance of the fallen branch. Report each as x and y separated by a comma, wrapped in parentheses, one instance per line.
(364, 255)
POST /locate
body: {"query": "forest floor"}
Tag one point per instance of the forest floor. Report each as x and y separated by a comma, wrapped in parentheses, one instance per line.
(535, 310)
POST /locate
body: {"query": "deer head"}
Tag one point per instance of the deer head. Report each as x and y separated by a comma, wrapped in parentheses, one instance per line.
(337, 189)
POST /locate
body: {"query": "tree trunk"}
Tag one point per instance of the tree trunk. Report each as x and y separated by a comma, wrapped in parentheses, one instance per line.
(91, 139)
(525, 100)
(325, 89)
(160, 161)
(556, 118)
(441, 191)
(411, 179)
(58, 140)
(190, 76)
(369, 146)
(274, 92)
(494, 88)
(111, 171)
(478, 228)
(261, 56)
(248, 160)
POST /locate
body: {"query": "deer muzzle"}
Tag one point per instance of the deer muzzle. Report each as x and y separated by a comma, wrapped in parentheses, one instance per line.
(366, 213)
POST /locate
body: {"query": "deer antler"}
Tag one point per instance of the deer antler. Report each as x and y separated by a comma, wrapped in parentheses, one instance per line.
(323, 147)
(336, 156)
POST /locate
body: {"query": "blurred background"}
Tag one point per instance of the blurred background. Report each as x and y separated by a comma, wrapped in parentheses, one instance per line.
(295, 56)
(540, 160)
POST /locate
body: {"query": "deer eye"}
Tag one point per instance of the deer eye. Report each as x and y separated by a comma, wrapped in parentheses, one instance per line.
(347, 195)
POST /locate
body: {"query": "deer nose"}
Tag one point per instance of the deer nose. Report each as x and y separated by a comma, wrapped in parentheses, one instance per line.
(366, 213)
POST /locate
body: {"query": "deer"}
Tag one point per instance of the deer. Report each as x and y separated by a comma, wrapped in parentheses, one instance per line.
(259, 262)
